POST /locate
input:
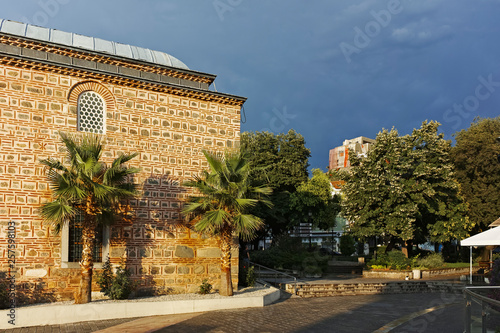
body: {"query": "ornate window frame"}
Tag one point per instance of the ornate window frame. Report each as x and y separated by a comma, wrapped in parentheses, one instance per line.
(91, 113)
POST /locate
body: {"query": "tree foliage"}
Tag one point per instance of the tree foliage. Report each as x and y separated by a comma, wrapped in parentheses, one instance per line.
(347, 245)
(405, 188)
(222, 205)
(313, 202)
(475, 156)
(280, 162)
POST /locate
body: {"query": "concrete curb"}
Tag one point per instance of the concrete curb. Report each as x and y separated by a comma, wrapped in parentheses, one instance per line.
(58, 314)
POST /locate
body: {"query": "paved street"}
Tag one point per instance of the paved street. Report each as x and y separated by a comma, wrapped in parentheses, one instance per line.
(373, 313)
(335, 314)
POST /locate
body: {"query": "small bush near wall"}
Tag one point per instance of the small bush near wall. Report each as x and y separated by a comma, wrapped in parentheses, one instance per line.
(392, 260)
(246, 276)
(118, 286)
(347, 245)
(433, 260)
(205, 287)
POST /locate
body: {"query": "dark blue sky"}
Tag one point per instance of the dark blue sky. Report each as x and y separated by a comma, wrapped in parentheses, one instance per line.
(331, 70)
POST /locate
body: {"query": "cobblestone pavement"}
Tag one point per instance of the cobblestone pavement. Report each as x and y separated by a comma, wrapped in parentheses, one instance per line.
(336, 314)
(366, 313)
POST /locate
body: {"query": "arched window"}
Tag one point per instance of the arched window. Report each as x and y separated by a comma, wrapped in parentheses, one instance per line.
(91, 112)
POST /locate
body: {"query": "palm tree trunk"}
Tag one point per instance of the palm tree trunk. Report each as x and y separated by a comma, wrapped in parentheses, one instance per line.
(226, 283)
(87, 264)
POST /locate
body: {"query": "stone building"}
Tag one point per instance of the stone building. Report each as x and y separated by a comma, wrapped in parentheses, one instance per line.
(141, 101)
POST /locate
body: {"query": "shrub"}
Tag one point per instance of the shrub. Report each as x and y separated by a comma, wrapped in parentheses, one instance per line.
(378, 266)
(105, 278)
(118, 286)
(246, 274)
(397, 260)
(251, 278)
(298, 260)
(347, 245)
(205, 287)
(433, 260)
(288, 253)
(394, 260)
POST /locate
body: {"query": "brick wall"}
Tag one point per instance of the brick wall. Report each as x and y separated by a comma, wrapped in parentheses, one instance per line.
(168, 131)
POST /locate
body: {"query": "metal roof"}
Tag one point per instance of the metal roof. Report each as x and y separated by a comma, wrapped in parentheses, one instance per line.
(89, 43)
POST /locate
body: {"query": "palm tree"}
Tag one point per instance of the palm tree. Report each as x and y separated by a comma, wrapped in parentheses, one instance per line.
(82, 185)
(221, 208)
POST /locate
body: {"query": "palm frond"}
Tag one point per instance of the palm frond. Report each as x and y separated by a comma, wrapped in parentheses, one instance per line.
(246, 225)
(85, 181)
(214, 162)
(212, 221)
(246, 203)
(225, 196)
(57, 213)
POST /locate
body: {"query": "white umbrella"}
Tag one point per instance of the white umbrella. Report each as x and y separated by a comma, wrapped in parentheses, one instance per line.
(485, 238)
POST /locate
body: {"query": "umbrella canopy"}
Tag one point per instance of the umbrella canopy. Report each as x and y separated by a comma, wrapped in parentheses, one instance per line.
(495, 224)
(485, 238)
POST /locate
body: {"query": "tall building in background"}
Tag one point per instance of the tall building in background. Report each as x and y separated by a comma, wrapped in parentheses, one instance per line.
(339, 156)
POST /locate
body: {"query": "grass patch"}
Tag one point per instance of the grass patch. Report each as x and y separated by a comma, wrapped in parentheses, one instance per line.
(459, 265)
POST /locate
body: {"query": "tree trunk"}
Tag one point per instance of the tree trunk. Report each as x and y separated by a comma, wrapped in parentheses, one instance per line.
(436, 247)
(390, 246)
(407, 249)
(87, 264)
(226, 283)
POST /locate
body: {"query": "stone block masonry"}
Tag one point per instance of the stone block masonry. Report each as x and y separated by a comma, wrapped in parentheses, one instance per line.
(168, 126)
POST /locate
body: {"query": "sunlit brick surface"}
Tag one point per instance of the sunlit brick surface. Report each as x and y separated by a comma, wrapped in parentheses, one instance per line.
(168, 130)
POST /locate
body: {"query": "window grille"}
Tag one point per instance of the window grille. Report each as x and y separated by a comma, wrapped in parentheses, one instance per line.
(91, 113)
(76, 244)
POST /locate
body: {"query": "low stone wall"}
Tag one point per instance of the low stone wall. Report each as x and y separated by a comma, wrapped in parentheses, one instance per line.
(428, 273)
(447, 271)
(397, 275)
(399, 287)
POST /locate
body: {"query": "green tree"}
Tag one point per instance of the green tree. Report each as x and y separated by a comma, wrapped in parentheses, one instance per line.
(222, 207)
(405, 189)
(478, 169)
(83, 185)
(314, 202)
(442, 207)
(280, 162)
(347, 245)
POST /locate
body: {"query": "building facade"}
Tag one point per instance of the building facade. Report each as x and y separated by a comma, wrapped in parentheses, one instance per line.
(339, 156)
(140, 101)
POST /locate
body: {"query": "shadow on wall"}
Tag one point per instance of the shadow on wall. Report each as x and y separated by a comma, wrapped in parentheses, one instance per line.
(25, 292)
(143, 237)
